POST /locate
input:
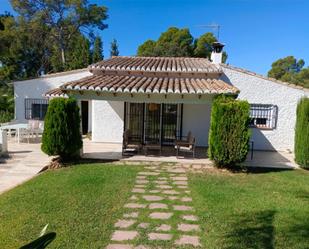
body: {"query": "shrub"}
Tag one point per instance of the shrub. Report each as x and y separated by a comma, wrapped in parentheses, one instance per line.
(61, 134)
(6, 116)
(302, 133)
(229, 133)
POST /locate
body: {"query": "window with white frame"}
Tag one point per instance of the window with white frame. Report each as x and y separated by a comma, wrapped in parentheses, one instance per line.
(35, 108)
(263, 116)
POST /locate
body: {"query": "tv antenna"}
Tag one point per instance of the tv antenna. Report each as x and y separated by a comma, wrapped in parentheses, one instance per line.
(214, 27)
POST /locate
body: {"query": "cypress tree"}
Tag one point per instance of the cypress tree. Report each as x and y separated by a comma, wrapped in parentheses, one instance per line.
(97, 54)
(81, 55)
(114, 48)
(302, 133)
(62, 136)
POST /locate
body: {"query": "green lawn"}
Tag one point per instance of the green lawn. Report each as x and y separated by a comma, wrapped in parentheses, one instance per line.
(82, 203)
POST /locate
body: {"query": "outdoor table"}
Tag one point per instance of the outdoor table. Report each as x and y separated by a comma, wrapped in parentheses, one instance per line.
(17, 127)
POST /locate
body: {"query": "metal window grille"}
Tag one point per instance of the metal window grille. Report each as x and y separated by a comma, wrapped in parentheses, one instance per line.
(35, 108)
(263, 116)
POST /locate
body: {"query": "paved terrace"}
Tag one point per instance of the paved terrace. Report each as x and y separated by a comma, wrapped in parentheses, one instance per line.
(26, 160)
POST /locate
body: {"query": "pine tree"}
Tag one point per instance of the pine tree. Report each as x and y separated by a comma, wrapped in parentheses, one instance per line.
(81, 56)
(114, 48)
(97, 54)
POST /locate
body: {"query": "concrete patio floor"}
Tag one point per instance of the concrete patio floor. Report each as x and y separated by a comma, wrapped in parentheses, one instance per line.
(112, 151)
(26, 160)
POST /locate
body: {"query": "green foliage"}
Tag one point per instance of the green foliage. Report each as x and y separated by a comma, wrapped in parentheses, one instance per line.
(289, 69)
(114, 51)
(179, 43)
(302, 133)
(97, 54)
(80, 56)
(229, 133)
(6, 116)
(62, 134)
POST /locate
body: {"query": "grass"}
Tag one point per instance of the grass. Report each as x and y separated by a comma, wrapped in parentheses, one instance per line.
(79, 203)
(82, 203)
(258, 210)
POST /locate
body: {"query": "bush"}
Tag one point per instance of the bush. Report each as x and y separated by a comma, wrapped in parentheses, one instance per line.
(6, 116)
(62, 134)
(302, 133)
(229, 133)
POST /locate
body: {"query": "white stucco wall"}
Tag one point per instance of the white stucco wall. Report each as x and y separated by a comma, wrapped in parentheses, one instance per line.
(196, 118)
(262, 91)
(35, 88)
(107, 121)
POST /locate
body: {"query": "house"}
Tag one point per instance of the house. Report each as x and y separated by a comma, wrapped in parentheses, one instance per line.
(161, 98)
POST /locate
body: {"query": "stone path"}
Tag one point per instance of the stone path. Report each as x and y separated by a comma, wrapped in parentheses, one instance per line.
(159, 213)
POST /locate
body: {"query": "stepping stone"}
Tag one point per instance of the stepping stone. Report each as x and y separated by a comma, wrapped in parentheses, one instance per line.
(160, 215)
(135, 205)
(141, 181)
(172, 198)
(141, 177)
(141, 247)
(182, 208)
(131, 215)
(177, 170)
(149, 173)
(182, 187)
(143, 225)
(133, 197)
(124, 223)
(119, 246)
(188, 227)
(124, 235)
(164, 186)
(138, 190)
(152, 198)
(154, 191)
(162, 178)
(180, 178)
(160, 182)
(164, 228)
(186, 199)
(170, 192)
(139, 186)
(159, 236)
(188, 240)
(188, 192)
(181, 182)
(158, 206)
(151, 167)
(190, 217)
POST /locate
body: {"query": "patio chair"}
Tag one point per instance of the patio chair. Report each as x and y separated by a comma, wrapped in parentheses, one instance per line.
(187, 145)
(129, 146)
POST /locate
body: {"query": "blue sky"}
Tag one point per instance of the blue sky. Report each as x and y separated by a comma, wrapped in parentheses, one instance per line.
(256, 32)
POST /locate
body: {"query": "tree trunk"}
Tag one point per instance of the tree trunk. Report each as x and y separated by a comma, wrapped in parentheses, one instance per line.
(63, 56)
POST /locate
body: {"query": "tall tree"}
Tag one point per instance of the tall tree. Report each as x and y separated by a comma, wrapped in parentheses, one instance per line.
(289, 69)
(64, 18)
(114, 51)
(179, 43)
(97, 53)
(80, 56)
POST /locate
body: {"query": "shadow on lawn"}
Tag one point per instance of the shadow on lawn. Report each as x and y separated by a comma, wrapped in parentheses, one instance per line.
(254, 230)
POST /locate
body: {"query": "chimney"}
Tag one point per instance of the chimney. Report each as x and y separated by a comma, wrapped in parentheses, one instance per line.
(216, 54)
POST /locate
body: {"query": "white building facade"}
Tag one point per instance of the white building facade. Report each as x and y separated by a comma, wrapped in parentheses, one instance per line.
(107, 111)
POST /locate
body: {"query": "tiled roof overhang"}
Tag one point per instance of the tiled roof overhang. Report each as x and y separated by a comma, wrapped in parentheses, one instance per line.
(150, 85)
(57, 92)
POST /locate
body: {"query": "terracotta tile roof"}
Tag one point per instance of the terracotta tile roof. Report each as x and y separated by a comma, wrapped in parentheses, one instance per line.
(57, 92)
(146, 84)
(157, 64)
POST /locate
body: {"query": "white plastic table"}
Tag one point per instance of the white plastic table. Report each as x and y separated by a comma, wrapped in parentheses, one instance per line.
(17, 127)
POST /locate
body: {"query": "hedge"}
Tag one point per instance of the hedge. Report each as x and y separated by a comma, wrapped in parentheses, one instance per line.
(62, 136)
(302, 133)
(229, 133)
